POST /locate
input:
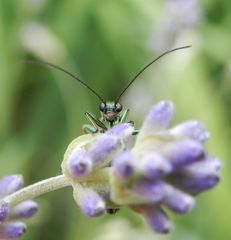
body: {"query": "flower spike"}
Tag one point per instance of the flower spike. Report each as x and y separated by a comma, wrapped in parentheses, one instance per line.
(160, 168)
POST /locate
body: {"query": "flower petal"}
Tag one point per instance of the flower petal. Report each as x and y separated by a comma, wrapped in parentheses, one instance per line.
(201, 176)
(158, 118)
(89, 201)
(10, 184)
(12, 230)
(197, 184)
(156, 218)
(183, 153)
(154, 166)
(103, 150)
(192, 129)
(123, 131)
(178, 201)
(124, 165)
(198, 177)
(151, 191)
(208, 165)
(4, 211)
(79, 164)
(24, 209)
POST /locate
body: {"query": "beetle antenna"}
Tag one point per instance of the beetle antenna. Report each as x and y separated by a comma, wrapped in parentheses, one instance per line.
(68, 73)
(145, 67)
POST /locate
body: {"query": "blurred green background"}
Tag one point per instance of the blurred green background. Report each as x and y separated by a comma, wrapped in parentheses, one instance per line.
(106, 43)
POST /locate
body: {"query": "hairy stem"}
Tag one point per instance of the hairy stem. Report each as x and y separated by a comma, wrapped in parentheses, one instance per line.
(36, 189)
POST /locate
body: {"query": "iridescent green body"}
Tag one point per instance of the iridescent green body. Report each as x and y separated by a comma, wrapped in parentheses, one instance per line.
(111, 115)
(110, 111)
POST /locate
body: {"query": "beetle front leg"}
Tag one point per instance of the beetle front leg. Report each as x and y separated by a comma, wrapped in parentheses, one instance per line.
(123, 117)
(97, 123)
(87, 128)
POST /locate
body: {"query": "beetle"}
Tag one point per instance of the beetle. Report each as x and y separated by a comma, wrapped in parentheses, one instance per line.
(111, 112)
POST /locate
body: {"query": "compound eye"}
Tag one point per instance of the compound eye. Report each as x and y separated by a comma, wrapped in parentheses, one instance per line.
(118, 107)
(102, 106)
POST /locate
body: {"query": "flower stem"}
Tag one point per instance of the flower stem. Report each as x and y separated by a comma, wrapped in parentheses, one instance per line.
(36, 189)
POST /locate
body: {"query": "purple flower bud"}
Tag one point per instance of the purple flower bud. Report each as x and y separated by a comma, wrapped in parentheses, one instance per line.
(155, 166)
(156, 218)
(200, 176)
(101, 150)
(10, 184)
(24, 210)
(208, 165)
(178, 201)
(89, 201)
(12, 230)
(158, 118)
(4, 211)
(162, 168)
(192, 129)
(124, 165)
(151, 191)
(184, 153)
(79, 164)
(197, 184)
(121, 130)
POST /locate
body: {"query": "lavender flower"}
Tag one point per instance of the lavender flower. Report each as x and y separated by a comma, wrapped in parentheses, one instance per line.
(171, 167)
(92, 186)
(9, 215)
(159, 168)
(163, 168)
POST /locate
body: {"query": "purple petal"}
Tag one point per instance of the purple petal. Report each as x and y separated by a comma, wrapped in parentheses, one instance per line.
(208, 165)
(155, 166)
(89, 201)
(197, 184)
(121, 130)
(178, 201)
(4, 211)
(156, 218)
(199, 176)
(192, 129)
(102, 150)
(79, 164)
(124, 165)
(10, 184)
(24, 210)
(158, 118)
(151, 191)
(12, 230)
(183, 153)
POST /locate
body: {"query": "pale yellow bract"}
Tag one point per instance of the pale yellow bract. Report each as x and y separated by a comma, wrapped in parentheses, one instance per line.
(98, 180)
(104, 178)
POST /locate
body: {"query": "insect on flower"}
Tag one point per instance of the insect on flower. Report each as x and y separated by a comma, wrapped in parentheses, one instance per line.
(111, 112)
(109, 168)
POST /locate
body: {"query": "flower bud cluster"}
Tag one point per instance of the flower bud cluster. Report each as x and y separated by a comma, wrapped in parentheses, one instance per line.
(11, 216)
(159, 168)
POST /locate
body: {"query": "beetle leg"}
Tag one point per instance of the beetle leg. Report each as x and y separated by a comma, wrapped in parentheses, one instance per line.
(124, 116)
(95, 121)
(87, 128)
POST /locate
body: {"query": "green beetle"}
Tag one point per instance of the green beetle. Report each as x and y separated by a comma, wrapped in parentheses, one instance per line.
(111, 112)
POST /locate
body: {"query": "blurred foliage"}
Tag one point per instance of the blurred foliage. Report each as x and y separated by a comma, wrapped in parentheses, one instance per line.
(106, 43)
